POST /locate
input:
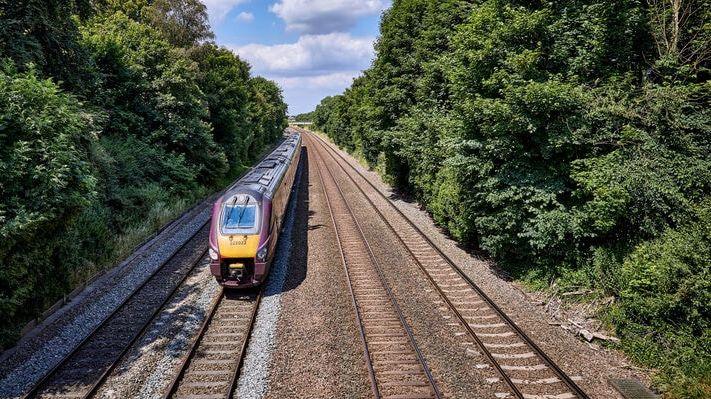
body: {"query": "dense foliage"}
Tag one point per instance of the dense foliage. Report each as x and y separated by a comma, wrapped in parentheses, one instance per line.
(305, 117)
(569, 140)
(114, 117)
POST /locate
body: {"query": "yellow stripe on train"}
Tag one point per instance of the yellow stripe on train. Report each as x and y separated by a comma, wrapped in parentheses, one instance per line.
(238, 245)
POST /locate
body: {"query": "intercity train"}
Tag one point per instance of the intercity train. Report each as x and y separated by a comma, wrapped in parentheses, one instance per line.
(247, 219)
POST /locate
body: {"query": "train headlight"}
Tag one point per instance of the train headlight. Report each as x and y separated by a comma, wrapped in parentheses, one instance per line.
(213, 254)
(262, 253)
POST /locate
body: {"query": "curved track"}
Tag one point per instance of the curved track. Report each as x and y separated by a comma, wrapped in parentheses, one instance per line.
(523, 366)
(211, 369)
(396, 367)
(82, 372)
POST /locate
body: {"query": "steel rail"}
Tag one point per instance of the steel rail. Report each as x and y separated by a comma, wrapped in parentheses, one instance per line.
(95, 387)
(245, 341)
(183, 365)
(204, 328)
(522, 335)
(359, 322)
(459, 316)
(386, 286)
(37, 387)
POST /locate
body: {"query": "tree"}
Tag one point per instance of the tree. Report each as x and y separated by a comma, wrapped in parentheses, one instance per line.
(115, 115)
(183, 22)
(46, 179)
(42, 32)
(223, 78)
(151, 90)
(681, 31)
(266, 113)
(555, 137)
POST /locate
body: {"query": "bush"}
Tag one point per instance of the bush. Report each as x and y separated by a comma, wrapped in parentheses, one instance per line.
(663, 312)
(224, 79)
(46, 180)
(151, 91)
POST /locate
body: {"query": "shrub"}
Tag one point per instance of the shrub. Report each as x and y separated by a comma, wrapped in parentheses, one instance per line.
(83, 182)
(46, 180)
(663, 311)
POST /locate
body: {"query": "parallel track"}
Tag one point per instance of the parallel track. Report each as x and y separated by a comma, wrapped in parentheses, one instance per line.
(82, 372)
(395, 365)
(520, 362)
(213, 364)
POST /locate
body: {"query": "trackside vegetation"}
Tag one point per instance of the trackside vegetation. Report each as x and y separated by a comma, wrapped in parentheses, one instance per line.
(115, 116)
(568, 140)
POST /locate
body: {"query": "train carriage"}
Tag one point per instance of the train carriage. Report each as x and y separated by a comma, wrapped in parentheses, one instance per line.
(247, 219)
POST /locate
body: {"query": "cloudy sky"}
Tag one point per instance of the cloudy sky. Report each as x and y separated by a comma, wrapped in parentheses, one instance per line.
(311, 48)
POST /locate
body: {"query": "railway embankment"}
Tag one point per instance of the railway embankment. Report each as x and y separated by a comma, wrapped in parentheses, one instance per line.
(44, 348)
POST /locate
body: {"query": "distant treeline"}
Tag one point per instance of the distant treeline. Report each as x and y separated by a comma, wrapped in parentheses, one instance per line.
(305, 117)
(114, 117)
(569, 140)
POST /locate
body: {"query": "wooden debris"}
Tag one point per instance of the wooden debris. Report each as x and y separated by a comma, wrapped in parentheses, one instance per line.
(586, 334)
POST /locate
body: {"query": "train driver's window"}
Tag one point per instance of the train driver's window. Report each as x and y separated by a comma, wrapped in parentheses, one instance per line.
(240, 215)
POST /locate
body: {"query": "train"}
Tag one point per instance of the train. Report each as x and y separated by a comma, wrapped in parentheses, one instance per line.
(248, 218)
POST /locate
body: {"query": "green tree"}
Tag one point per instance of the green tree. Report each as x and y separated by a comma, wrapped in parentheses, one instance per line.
(45, 179)
(223, 78)
(42, 32)
(151, 91)
(560, 138)
(266, 113)
(163, 117)
(184, 23)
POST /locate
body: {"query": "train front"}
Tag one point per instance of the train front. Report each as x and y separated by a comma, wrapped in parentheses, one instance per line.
(239, 238)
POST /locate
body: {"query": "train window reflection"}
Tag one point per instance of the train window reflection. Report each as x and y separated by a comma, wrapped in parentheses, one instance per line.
(240, 216)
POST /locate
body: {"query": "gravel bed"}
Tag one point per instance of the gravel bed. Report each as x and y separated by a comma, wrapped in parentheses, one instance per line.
(319, 352)
(457, 366)
(35, 357)
(253, 381)
(594, 363)
(149, 367)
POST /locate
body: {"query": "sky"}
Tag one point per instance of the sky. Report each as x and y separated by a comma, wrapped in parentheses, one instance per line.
(311, 48)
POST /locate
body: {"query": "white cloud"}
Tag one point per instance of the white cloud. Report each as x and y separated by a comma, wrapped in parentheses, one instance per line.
(311, 55)
(218, 9)
(313, 67)
(335, 80)
(324, 16)
(245, 16)
(303, 93)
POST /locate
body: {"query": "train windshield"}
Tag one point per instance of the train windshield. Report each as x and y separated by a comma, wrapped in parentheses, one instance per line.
(240, 215)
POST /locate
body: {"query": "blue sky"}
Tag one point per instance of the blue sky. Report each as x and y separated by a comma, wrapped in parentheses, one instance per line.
(311, 48)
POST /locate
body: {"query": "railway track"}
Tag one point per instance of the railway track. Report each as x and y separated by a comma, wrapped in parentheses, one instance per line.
(522, 365)
(212, 366)
(82, 371)
(395, 365)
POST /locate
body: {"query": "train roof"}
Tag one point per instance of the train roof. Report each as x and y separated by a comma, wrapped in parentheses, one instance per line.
(264, 178)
